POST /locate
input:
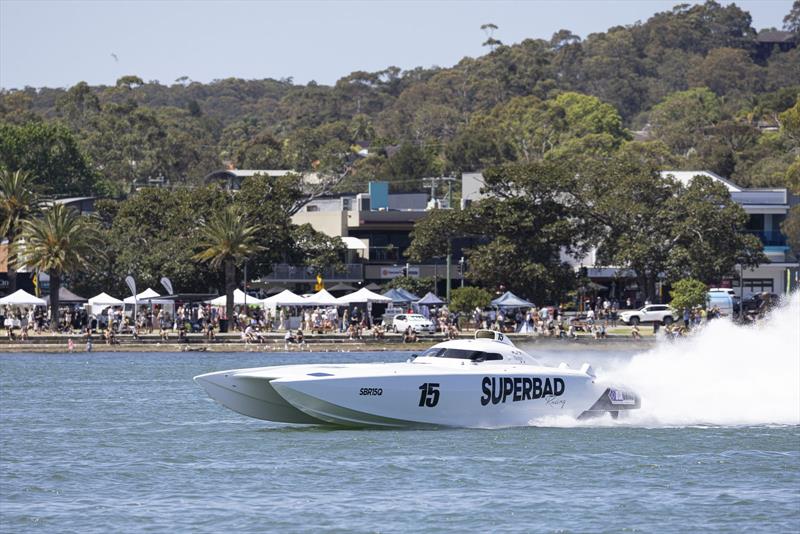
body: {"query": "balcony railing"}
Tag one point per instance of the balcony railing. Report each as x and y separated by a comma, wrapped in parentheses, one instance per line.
(294, 273)
(385, 254)
(769, 238)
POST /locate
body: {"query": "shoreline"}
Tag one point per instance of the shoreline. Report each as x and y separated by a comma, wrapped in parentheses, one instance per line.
(48, 343)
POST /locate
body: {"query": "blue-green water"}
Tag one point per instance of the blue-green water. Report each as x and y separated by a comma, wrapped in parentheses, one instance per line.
(127, 442)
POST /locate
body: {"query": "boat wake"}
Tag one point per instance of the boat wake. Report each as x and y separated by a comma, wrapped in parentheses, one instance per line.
(726, 375)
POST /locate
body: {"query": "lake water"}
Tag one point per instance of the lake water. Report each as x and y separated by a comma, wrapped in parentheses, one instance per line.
(127, 442)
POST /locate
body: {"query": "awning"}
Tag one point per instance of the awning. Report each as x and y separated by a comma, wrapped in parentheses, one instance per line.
(354, 243)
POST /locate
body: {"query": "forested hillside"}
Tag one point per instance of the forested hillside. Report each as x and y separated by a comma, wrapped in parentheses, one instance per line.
(695, 83)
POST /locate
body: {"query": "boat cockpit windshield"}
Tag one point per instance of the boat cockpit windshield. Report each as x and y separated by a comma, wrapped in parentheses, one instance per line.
(462, 354)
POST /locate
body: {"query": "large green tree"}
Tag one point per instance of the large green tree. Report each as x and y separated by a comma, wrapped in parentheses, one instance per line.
(226, 240)
(58, 243)
(51, 154)
(517, 232)
(662, 230)
(154, 233)
(18, 202)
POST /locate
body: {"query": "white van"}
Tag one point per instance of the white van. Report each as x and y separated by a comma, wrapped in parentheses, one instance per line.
(722, 300)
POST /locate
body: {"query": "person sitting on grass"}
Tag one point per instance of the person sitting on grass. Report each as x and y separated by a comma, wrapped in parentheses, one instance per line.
(287, 338)
(257, 335)
(409, 336)
(209, 331)
(248, 336)
(635, 332)
(182, 333)
(452, 332)
(378, 332)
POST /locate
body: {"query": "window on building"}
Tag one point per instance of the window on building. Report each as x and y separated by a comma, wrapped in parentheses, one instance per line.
(759, 285)
(755, 222)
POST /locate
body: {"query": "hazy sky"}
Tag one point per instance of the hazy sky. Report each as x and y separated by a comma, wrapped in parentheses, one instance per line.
(59, 43)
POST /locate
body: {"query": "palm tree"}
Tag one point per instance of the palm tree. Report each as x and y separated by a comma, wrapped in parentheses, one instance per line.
(17, 203)
(227, 239)
(60, 242)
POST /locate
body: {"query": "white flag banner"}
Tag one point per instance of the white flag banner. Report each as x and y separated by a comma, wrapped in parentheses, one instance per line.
(167, 284)
(131, 284)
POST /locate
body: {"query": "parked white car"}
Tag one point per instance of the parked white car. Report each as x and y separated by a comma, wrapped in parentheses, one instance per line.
(652, 313)
(417, 322)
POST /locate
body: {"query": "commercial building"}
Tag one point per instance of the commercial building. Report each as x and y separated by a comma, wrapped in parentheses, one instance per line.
(375, 227)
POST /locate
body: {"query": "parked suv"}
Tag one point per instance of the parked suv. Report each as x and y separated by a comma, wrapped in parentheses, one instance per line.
(652, 313)
(417, 322)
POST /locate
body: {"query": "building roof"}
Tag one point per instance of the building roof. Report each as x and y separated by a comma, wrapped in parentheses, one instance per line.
(775, 36)
(685, 177)
(246, 173)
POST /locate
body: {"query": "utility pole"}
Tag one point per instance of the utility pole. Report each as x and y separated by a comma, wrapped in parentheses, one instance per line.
(433, 181)
(461, 263)
(449, 261)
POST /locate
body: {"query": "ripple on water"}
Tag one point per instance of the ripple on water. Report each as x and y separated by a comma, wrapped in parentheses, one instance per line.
(131, 443)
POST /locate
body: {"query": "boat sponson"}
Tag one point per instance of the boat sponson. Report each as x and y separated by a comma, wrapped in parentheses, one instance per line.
(339, 415)
(254, 397)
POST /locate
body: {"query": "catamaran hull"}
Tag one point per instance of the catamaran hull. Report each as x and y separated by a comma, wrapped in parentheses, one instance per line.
(403, 396)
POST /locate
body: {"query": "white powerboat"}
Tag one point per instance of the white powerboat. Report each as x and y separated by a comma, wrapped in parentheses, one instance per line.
(481, 382)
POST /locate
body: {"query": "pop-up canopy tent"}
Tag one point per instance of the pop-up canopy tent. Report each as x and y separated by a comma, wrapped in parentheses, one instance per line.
(284, 298)
(103, 300)
(148, 296)
(321, 298)
(22, 298)
(510, 300)
(239, 299)
(342, 287)
(408, 294)
(361, 296)
(430, 300)
(65, 296)
(274, 290)
(398, 297)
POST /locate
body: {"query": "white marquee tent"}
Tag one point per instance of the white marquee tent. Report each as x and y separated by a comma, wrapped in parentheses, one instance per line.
(284, 298)
(239, 299)
(363, 295)
(22, 298)
(322, 298)
(103, 300)
(147, 297)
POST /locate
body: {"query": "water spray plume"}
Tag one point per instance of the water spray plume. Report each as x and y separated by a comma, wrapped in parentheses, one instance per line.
(725, 375)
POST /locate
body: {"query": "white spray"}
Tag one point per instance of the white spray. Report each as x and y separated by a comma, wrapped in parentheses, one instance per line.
(724, 375)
